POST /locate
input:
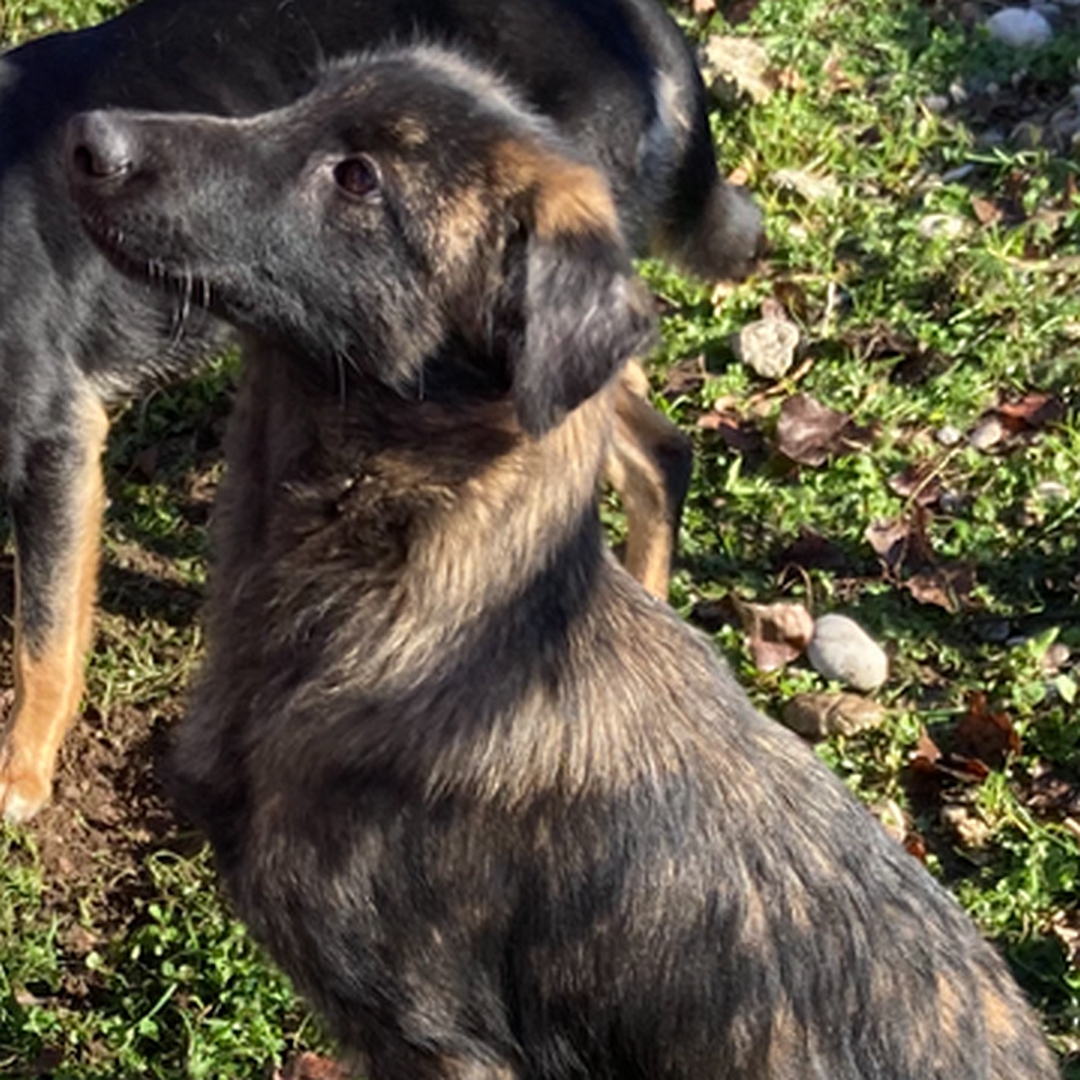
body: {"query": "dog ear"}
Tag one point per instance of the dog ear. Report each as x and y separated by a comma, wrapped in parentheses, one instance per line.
(584, 313)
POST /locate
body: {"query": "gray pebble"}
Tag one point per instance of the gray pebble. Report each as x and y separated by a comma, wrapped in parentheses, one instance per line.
(842, 650)
(948, 435)
(768, 347)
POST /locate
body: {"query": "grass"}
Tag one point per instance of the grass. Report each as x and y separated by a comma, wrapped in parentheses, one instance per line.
(934, 279)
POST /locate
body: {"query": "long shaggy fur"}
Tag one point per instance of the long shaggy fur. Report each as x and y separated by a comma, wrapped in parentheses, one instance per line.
(497, 811)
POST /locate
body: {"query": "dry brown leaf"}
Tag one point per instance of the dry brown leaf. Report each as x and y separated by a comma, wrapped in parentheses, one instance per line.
(817, 715)
(903, 543)
(986, 211)
(915, 846)
(987, 736)
(947, 586)
(685, 376)
(777, 633)
(773, 308)
(929, 761)
(1033, 411)
(918, 482)
(1049, 792)
(812, 186)
(789, 79)
(809, 433)
(737, 433)
(736, 66)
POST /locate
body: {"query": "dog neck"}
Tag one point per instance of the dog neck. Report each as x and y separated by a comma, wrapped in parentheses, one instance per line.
(453, 505)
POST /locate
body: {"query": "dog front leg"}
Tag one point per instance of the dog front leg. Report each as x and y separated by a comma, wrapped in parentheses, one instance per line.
(57, 511)
(649, 465)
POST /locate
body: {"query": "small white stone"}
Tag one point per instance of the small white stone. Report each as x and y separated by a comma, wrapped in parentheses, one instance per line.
(949, 226)
(768, 347)
(1052, 491)
(1019, 27)
(842, 650)
(948, 435)
(987, 434)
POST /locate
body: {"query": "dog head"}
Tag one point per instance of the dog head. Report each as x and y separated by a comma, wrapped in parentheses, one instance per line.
(409, 221)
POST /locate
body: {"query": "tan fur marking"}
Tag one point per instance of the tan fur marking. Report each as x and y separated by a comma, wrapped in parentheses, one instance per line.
(632, 469)
(999, 1014)
(411, 132)
(950, 1006)
(49, 682)
(571, 197)
(460, 224)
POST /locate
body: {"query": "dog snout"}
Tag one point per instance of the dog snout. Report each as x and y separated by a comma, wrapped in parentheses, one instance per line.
(101, 149)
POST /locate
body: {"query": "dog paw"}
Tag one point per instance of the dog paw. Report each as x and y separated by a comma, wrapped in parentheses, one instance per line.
(23, 791)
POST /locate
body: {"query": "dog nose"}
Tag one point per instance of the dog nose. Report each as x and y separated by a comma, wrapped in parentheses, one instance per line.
(99, 148)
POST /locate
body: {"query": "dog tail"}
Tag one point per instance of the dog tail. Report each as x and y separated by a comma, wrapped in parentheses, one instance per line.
(705, 225)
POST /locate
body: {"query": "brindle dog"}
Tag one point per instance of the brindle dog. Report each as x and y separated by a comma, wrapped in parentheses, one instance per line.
(497, 810)
(615, 75)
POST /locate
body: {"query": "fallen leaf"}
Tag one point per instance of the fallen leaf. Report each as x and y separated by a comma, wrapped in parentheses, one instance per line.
(733, 66)
(1049, 792)
(768, 345)
(810, 433)
(968, 826)
(712, 614)
(737, 433)
(145, 462)
(789, 79)
(1032, 411)
(737, 12)
(926, 754)
(777, 633)
(918, 482)
(817, 715)
(812, 186)
(927, 759)
(987, 212)
(986, 736)
(703, 7)
(685, 376)
(903, 543)
(772, 307)
(947, 586)
(915, 846)
(739, 176)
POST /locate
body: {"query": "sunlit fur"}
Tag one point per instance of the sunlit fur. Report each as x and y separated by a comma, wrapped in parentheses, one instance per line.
(498, 812)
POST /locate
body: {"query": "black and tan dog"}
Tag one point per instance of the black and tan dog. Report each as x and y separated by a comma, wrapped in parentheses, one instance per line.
(496, 809)
(615, 75)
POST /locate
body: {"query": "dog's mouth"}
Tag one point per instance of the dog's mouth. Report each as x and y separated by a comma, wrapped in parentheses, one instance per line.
(116, 245)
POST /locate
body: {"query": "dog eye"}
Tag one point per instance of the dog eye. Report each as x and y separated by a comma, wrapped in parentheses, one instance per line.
(357, 176)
